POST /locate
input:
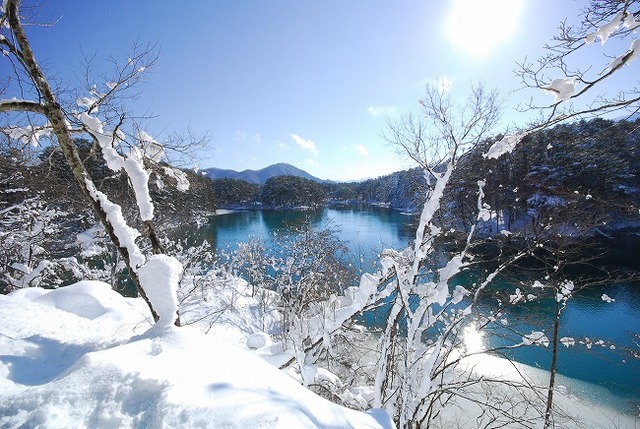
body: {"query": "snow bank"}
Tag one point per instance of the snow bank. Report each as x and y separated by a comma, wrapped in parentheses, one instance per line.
(88, 299)
(58, 369)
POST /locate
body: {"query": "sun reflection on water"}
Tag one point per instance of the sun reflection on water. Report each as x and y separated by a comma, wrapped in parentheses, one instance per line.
(473, 339)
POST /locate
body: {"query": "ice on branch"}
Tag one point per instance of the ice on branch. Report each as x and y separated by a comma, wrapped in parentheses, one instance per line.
(627, 57)
(452, 268)
(517, 297)
(506, 145)
(159, 278)
(562, 88)
(139, 178)
(606, 30)
(458, 294)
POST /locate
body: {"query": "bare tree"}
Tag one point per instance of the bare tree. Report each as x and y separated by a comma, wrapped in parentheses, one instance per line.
(576, 86)
(35, 112)
(423, 319)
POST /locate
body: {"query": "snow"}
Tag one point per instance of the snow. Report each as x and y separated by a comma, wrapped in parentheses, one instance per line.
(182, 182)
(89, 241)
(606, 30)
(562, 88)
(88, 299)
(84, 356)
(126, 235)
(629, 22)
(607, 298)
(258, 340)
(29, 134)
(133, 164)
(537, 338)
(152, 149)
(139, 179)
(159, 278)
(572, 412)
(627, 57)
(504, 145)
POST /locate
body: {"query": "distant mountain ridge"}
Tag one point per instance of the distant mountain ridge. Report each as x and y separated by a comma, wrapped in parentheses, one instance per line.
(261, 176)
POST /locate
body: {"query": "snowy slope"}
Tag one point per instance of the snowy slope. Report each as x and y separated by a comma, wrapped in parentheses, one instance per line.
(105, 367)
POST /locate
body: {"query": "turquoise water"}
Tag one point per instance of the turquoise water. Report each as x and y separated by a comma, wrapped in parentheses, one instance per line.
(368, 230)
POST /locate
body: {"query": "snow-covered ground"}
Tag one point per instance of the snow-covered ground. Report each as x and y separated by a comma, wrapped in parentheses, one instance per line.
(83, 356)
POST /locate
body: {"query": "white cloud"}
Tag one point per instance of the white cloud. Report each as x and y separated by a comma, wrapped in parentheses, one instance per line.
(305, 144)
(310, 162)
(361, 149)
(377, 111)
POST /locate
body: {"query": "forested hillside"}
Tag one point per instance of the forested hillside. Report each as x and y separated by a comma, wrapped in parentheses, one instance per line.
(570, 179)
(578, 176)
(45, 218)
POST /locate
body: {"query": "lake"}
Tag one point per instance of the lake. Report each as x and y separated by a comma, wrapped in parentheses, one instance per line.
(368, 230)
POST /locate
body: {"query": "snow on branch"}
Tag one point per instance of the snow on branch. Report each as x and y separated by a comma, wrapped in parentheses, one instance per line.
(562, 88)
(125, 234)
(505, 145)
(606, 30)
(160, 277)
(29, 134)
(132, 164)
(627, 57)
(14, 104)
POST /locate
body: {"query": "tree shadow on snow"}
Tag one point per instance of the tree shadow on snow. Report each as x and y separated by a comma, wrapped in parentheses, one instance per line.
(44, 359)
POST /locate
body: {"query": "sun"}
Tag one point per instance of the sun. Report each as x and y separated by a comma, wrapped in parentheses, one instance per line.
(479, 27)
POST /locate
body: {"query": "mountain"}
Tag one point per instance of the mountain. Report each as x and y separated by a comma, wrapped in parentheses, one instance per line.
(259, 176)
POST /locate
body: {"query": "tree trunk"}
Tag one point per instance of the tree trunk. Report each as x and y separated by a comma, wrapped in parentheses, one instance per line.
(554, 359)
(55, 114)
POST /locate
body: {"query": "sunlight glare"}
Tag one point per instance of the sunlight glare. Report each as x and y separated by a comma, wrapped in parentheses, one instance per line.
(478, 27)
(473, 339)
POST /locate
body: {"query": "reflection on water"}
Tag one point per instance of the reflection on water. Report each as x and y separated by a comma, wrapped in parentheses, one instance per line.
(366, 230)
(473, 339)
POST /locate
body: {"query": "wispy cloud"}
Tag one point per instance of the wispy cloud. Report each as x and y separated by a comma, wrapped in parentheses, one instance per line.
(305, 144)
(310, 162)
(361, 149)
(377, 111)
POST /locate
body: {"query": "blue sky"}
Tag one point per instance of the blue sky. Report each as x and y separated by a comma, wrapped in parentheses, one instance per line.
(310, 83)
